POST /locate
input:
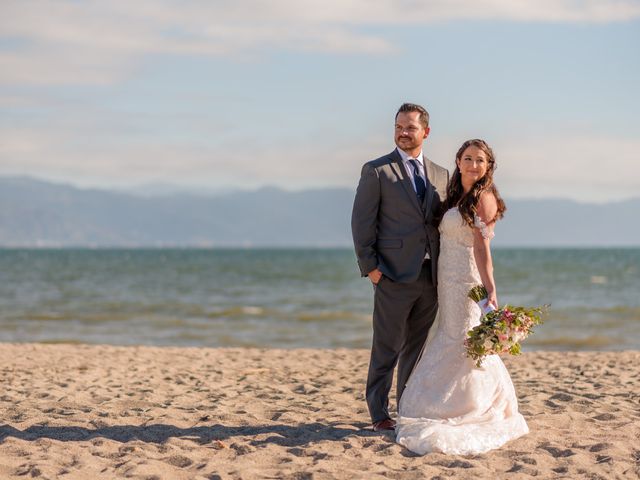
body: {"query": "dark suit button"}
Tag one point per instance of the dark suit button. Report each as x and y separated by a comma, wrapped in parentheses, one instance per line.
(423, 240)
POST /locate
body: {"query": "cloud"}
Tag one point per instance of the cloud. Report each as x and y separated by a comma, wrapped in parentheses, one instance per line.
(97, 42)
(583, 167)
(97, 152)
(402, 12)
(95, 156)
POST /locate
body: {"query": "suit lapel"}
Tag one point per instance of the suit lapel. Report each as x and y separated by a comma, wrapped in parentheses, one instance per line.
(431, 179)
(400, 171)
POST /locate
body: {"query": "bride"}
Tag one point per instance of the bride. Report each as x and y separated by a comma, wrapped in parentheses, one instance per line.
(449, 405)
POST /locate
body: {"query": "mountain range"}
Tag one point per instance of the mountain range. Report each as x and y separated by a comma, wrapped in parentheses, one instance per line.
(37, 213)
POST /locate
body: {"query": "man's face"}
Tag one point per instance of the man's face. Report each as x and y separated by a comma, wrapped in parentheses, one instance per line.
(410, 133)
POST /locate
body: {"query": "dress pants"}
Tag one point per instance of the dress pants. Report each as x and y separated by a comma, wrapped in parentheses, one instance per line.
(402, 316)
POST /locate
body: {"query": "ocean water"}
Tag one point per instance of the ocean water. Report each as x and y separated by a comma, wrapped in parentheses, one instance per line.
(288, 298)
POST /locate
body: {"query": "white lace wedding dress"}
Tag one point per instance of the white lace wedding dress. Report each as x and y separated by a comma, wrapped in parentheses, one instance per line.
(449, 404)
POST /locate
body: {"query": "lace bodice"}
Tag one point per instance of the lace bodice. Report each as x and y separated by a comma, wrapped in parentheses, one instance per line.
(457, 262)
(455, 228)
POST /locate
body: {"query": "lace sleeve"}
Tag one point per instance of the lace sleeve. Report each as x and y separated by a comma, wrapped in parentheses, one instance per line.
(484, 229)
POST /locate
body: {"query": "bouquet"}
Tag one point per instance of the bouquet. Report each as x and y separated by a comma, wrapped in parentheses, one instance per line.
(501, 330)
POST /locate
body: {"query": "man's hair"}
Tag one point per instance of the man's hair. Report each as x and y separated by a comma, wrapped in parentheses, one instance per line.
(413, 107)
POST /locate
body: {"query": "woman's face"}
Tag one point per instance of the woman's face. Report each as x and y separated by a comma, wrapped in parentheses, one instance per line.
(473, 164)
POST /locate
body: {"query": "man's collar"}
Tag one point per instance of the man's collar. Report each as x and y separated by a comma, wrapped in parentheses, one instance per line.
(405, 157)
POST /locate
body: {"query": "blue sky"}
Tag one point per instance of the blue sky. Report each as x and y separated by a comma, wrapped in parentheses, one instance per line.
(300, 94)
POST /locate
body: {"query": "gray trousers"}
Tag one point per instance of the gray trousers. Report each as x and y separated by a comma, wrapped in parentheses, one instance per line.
(402, 316)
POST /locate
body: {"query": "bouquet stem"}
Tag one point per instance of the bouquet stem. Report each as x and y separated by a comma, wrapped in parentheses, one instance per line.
(485, 306)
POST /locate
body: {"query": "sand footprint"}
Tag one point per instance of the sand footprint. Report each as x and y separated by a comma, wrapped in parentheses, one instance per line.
(557, 452)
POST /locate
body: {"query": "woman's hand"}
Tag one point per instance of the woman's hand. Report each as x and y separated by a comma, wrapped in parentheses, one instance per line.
(492, 298)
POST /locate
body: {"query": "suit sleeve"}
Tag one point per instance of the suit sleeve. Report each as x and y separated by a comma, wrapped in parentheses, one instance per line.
(364, 219)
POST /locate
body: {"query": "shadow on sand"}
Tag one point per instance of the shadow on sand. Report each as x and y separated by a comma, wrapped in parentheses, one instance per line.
(285, 435)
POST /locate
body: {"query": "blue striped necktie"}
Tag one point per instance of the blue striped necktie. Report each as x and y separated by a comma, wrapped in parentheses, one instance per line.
(421, 188)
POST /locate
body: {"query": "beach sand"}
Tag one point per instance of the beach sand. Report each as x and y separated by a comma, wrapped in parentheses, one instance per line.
(85, 412)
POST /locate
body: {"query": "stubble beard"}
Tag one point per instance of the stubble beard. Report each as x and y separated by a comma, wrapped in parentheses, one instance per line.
(406, 143)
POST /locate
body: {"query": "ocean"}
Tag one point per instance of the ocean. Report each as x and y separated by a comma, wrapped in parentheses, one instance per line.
(288, 298)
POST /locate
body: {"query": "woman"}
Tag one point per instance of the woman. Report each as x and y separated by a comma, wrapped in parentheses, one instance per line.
(450, 405)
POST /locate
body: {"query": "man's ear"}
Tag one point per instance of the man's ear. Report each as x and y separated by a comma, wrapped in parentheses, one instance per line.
(426, 132)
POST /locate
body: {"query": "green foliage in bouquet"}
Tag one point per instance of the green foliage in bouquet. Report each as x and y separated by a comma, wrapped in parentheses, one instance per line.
(478, 293)
(502, 330)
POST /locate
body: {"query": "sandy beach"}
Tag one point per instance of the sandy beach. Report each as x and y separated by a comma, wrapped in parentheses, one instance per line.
(79, 412)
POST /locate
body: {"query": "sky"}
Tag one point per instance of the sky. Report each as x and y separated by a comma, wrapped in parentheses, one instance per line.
(299, 94)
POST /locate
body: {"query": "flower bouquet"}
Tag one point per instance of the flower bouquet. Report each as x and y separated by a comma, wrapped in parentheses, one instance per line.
(501, 330)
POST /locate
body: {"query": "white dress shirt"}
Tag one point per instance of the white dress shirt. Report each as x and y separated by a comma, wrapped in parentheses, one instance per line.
(409, 168)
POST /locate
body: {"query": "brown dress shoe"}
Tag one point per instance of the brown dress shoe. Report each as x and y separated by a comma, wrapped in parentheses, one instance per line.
(386, 424)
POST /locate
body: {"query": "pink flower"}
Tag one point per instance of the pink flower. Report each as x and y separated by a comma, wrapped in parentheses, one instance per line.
(507, 316)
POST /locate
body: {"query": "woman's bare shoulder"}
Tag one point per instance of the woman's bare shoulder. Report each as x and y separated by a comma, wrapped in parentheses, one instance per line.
(487, 207)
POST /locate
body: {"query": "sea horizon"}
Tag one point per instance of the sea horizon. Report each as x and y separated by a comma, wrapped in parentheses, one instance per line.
(275, 297)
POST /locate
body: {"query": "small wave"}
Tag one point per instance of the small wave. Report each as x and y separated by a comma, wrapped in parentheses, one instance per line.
(63, 341)
(598, 279)
(332, 315)
(80, 317)
(632, 312)
(579, 311)
(241, 310)
(249, 310)
(587, 343)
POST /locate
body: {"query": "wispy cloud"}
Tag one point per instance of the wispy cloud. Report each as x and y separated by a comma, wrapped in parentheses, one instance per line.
(586, 167)
(97, 42)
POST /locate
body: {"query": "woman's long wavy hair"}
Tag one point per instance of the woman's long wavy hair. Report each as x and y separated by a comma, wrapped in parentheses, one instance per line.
(467, 203)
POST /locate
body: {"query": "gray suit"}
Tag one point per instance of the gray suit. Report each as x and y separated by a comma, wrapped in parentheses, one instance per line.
(392, 231)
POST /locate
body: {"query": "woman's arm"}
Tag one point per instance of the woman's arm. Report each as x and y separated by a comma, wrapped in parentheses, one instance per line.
(482, 235)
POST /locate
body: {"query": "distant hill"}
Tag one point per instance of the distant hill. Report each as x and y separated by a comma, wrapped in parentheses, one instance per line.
(35, 213)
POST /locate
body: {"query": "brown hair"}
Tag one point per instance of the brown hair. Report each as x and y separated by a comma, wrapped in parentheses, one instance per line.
(467, 203)
(413, 107)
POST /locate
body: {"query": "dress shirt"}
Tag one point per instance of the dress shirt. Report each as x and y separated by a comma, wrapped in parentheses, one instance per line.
(409, 168)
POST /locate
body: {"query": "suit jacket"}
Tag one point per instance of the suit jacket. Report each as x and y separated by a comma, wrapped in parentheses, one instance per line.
(391, 230)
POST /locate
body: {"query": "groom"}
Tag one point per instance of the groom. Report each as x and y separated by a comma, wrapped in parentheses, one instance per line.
(395, 233)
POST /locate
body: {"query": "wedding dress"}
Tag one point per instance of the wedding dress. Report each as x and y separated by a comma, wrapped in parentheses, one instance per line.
(449, 405)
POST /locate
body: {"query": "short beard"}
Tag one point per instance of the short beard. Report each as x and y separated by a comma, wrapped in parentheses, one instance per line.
(411, 145)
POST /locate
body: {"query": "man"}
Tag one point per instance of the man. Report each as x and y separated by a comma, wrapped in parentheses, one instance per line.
(395, 233)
